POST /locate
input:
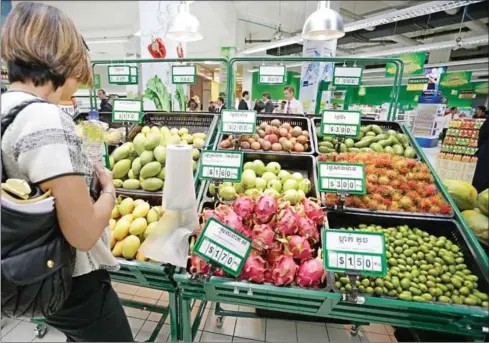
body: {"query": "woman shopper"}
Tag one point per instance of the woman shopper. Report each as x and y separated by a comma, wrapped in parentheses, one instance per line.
(47, 59)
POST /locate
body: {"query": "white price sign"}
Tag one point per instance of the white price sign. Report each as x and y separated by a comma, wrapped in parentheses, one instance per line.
(184, 74)
(226, 166)
(119, 74)
(347, 76)
(127, 110)
(271, 75)
(341, 123)
(238, 122)
(341, 177)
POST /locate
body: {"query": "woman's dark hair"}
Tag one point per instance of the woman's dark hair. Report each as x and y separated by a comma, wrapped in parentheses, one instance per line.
(245, 93)
(221, 99)
(482, 108)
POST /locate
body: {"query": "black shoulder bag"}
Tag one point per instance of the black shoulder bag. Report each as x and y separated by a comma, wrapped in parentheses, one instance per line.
(37, 261)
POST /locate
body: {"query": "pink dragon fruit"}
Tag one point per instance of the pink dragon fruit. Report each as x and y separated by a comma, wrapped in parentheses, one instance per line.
(284, 270)
(308, 229)
(246, 231)
(243, 206)
(286, 221)
(311, 273)
(265, 208)
(313, 210)
(300, 248)
(219, 272)
(275, 252)
(198, 265)
(229, 217)
(253, 269)
(268, 273)
(206, 214)
(262, 237)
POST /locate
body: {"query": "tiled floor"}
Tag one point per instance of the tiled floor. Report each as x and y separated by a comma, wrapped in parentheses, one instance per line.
(233, 330)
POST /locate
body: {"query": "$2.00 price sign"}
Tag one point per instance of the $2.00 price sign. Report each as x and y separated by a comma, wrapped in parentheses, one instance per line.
(222, 245)
(341, 178)
(363, 252)
(341, 123)
(127, 111)
(238, 122)
(217, 165)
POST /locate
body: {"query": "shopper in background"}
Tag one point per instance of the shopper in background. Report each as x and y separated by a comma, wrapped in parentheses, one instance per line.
(280, 108)
(193, 106)
(481, 176)
(450, 115)
(112, 97)
(211, 107)
(220, 105)
(41, 146)
(480, 112)
(259, 106)
(267, 100)
(293, 106)
(243, 103)
(105, 106)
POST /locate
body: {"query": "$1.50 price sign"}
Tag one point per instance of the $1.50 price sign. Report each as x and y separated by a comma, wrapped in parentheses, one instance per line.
(225, 166)
(222, 245)
(238, 122)
(363, 252)
(347, 76)
(127, 111)
(341, 178)
(341, 123)
(183, 74)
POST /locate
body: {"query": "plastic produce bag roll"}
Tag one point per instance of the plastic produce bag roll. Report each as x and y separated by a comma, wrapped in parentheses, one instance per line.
(168, 243)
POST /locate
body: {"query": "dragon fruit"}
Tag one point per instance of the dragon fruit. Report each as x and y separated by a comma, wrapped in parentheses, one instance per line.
(262, 237)
(253, 269)
(313, 211)
(219, 272)
(311, 273)
(229, 217)
(265, 208)
(286, 221)
(198, 265)
(246, 231)
(275, 252)
(300, 248)
(308, 229)
(284, 270)
(210, 214)
(243, 206)
(268, 274)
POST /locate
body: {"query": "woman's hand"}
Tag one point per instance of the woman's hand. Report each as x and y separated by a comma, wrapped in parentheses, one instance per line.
(104, 177)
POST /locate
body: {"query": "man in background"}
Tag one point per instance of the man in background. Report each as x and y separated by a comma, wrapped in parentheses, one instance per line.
(280, 108)
(243, 103)
(105, 106)
(450, 115)
(212, 107)
(480, 112)
(220, 105)
(267, 100)
(293, 106)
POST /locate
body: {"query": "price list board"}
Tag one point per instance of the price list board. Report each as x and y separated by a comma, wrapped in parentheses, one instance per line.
(347, 76)
(341, 178)
(127, 111)
(221, 245)
(362, 252)
(341, 123)
(223, 166)
(238, 122)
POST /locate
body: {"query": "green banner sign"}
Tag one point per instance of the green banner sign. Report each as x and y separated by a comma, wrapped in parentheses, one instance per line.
(238, 122)
(224, 166)
(221, 245)
(341, 178)
(455, 80)
(481, 87)
(184, 74)
(346, 251)
(127, 111)
(467, 94)
(413, 64)
(341, 123)
(347, 76)
(417, 84)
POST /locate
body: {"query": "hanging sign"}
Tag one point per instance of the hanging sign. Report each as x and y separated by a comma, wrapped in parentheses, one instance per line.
(134, 76)
(362, 252)
(238, 122)
(184, 74)
(481, 87)
(223, 166)
(455, 80)
(271, 75)
(347, 76)
(413, 64)
(467, 94)
(417, 84)
(127, 111)
(341, 178)
(119, 74)
(219, 244)
(341, 123)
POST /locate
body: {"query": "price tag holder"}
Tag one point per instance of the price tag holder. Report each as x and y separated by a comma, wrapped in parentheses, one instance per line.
(271, 75)
(184, 74)
(119, 74)
(347, 251)
(235, 122)
(341, 178)
(347, 76)
(127, 111)
(341, 123)
(221, 245)
(222, 166)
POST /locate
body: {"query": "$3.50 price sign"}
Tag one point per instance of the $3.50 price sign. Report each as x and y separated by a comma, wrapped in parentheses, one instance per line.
(225, 166)
(359, 251)
(341, 178)
(341, 123)
(222, 245)
(238, 122)
(127, 111)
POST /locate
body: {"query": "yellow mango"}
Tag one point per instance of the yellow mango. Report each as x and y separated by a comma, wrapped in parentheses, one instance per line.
(117, 250)
(149, 229)
(140, 257)
(122, 227)
(130, 246)
(138, 202)
(112, 223)
(152, 216)
(126, 206)
(138, 226)
(112, 241)
(141, 210)
(115, 213)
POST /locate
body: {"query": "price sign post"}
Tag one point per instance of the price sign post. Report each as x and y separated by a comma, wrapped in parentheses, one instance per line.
(347, 76)
(220, 245)
(340, 124)
(127, 111)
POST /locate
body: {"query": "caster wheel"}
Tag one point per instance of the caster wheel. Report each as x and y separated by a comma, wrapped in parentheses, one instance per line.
(354, 331)
(40, 331)
(219, 322)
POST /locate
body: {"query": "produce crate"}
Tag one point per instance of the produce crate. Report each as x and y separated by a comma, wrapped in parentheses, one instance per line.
(305, 164)
(470, 321)
(303, 122)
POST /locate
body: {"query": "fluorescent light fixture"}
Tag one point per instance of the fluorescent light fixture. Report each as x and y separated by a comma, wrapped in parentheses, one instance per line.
(323, 24)
(184, 27)
(107, 41)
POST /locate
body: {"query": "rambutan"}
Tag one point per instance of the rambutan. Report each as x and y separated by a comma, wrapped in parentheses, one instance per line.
(434, 209)
(373, 205)
(406, 202)
(431, 190)
(412, 184)
(412, 195)
(404, 187)
(411, 163)
(384, 180)
(445, 209)
(425, 203)
(372, 178)
(378, 197)
(395, 183)
(396, 196)
(391, 174)
(382, 207)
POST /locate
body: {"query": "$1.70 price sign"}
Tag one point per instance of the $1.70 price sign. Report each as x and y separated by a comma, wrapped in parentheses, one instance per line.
(225, 166)
(341, 123)
(363, 252)
(238, 122)
(341, 178)
(127, 111)
(222, 245)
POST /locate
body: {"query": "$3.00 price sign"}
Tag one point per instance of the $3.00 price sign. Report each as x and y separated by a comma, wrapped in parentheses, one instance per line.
(222, 245)
(359, 251)
(225, 166)
(341, 177)
(341, 123)
(127, 111)
(238, 122)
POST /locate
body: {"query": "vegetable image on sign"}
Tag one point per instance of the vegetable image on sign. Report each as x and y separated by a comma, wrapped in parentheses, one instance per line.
(341, 178)
(347, 76)
(225, 166)
(341, 123)
(238, 122)
(221, 245)
(125, 110)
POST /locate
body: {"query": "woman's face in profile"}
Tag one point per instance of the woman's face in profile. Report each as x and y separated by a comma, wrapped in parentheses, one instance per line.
(68, 89)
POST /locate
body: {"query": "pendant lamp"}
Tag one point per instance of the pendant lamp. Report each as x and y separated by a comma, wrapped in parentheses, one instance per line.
(323, 24)
(184, 27)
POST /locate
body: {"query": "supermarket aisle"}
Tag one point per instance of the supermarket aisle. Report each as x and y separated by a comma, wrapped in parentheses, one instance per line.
(233, 330)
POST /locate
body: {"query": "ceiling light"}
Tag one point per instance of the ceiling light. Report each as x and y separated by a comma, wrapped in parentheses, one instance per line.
(184, 27)
(107, 41)
(323, 24)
